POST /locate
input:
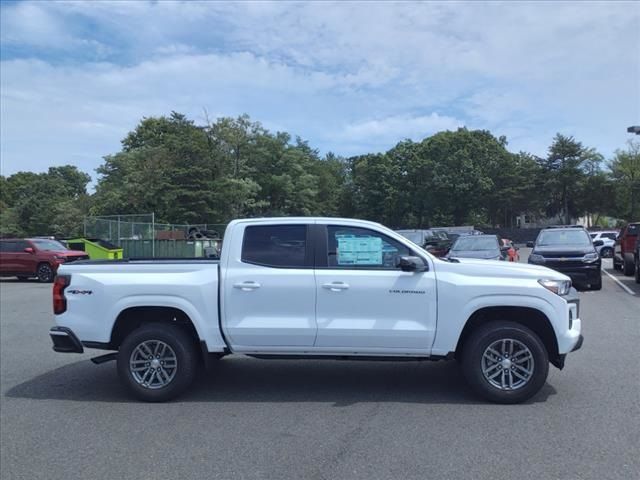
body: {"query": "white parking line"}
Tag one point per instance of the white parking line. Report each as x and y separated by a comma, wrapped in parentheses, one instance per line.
(626, 289)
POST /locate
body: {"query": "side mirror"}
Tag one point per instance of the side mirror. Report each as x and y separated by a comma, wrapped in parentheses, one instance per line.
(29, 250)
(598, 243)
(530, 244)
(412, 264)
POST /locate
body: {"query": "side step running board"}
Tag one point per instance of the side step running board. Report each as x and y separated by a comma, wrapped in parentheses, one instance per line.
(104, 358)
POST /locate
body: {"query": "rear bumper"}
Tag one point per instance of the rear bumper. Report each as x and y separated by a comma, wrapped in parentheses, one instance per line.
(579, 344)
(65, 341)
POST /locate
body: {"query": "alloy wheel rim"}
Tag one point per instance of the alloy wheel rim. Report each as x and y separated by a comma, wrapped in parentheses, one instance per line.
(507, 364)
(153, 364)
(44, 272)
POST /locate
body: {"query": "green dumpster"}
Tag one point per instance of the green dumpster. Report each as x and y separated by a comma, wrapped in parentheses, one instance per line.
(97, 248)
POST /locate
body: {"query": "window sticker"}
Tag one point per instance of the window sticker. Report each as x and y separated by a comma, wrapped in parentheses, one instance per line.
(359, 250)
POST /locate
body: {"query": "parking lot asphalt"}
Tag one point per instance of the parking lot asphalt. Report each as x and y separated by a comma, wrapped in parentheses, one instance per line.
(62, 417)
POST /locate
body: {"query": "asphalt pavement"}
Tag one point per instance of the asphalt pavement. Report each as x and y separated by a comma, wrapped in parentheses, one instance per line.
(62, 417)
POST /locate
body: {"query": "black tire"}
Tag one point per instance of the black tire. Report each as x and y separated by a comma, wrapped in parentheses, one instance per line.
(45, 273)
(616, 265)
(186, 361)
(638, 270)
(629, 267)
(606, 252)
(480, 340)
(597, 286)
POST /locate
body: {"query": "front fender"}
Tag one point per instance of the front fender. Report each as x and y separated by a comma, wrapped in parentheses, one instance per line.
(453, 317)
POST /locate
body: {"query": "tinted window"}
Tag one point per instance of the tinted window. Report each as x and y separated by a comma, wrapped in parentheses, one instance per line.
(350, 247)
(611, 236)
(276, 245)
(14, 246)
(7, 246)
(21, 245)
(593, 235)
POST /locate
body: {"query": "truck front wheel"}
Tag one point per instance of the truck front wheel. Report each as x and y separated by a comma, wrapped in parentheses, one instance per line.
(157, 362)
(505, 362)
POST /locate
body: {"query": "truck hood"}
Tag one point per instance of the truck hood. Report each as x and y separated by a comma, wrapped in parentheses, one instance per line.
(498, 268)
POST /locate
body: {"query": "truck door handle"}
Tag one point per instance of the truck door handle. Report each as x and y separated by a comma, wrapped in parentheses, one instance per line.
(336, 286)
(246, 286)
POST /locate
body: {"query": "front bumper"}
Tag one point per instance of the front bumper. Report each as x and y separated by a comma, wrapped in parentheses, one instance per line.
(580, 275)
(65, 341)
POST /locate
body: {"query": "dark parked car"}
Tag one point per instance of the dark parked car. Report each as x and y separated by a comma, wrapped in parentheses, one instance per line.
(486, 247)
(34, 257)
(625, 247)
(569, 250)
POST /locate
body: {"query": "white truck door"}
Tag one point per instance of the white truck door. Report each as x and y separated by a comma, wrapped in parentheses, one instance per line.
(367, 303)
(269, 290)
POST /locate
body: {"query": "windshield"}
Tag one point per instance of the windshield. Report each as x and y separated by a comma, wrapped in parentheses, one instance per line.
(415, 237)
(48, 245)
(563, 237)
(475, 244)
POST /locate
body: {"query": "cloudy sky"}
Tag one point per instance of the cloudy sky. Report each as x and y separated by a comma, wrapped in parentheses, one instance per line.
(349, 77)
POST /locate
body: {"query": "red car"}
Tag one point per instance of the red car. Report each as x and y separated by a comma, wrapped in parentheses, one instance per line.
(625, 247)
(34, 257)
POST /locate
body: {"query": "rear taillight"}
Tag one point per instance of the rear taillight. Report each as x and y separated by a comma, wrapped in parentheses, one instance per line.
(59, 301)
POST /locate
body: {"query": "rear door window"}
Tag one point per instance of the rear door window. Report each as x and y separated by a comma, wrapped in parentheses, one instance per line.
(278, 246)
(9, 247)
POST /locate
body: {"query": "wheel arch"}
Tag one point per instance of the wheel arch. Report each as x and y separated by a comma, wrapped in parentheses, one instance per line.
(134, 317)
(530, 317)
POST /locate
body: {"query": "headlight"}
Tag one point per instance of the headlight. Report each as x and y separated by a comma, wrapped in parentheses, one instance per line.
(590, 258)
(60, 259)
(535, 258)
(559, 287)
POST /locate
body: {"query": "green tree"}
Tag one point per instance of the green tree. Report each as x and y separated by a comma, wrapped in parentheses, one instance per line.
(564, 173)
(625, 171)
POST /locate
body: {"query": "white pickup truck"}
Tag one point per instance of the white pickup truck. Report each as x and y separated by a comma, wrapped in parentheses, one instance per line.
(318, 288)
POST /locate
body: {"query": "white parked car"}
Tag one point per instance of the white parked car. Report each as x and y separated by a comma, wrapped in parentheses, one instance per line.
(609, 240)
(321, 288)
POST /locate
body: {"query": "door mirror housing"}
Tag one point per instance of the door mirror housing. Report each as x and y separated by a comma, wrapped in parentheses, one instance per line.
(29, 250)
(412, 264)
(598, 243)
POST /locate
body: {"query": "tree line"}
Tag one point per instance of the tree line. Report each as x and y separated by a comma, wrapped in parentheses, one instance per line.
(234, 167)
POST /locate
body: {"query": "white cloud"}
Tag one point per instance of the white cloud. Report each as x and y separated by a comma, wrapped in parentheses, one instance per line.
(350, 77)
(391, 129)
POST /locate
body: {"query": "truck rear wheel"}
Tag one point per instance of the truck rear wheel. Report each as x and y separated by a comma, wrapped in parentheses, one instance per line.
(157, 362)
(505, 362)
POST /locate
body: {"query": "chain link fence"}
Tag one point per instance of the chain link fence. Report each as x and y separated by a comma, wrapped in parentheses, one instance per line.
(131, 231)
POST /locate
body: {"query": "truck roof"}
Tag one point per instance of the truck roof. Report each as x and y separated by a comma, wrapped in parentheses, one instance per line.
(304, 220)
